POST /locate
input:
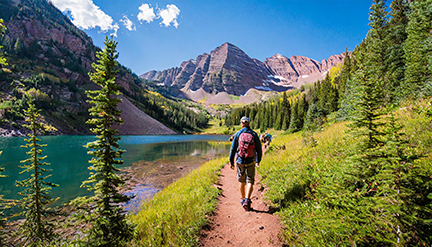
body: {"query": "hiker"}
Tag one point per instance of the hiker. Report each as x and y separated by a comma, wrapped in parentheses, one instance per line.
(246, 152)
(267, 139)
(262, 140)
(231, 138)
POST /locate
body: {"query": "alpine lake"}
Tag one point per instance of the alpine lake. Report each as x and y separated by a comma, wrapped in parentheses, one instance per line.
(150, 163)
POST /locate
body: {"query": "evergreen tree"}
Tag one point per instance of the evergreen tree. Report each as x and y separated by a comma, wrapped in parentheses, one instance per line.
(367, 157)
(396, 38)
(109, 226)
(295, 122)
(286, 110)
(417, 50)
(344, 77)
(36, 230)
(2, 30)
(347, 107)
(328, 99)
(403, 189)
(279, 115)
(302, 109)
(377, 48)
(314, 119)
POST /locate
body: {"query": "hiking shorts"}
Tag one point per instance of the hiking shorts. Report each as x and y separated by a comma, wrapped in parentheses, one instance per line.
(246, 173)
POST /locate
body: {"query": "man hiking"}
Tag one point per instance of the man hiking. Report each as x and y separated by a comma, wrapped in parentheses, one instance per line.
(246, 152)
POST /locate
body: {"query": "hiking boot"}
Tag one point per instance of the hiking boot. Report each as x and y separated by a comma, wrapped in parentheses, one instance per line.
(246, 204)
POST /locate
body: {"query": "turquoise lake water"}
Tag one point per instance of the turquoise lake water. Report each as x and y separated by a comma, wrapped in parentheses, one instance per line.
(69, 159)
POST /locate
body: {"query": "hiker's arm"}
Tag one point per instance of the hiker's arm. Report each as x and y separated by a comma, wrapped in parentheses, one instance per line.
(233, 149)
(258, 150)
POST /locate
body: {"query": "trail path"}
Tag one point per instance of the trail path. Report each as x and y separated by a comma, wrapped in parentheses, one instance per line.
(232, 225)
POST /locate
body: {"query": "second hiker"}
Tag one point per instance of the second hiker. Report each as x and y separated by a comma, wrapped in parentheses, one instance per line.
(246, 153)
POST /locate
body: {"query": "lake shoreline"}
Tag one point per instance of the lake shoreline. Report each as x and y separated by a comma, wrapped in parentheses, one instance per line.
(136, 180)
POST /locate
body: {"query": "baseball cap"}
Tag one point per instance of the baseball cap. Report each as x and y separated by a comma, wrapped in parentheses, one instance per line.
(244, 120)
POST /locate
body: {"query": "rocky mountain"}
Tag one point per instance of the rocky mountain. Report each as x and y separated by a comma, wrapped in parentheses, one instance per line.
(298, 70)
(229, 69)
(225, 69)
(47, 54)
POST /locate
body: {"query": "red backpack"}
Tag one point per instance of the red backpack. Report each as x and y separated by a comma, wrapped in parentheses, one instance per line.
(246, 145)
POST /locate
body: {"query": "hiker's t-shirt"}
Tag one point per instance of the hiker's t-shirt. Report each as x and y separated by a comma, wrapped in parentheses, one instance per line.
(235, 145)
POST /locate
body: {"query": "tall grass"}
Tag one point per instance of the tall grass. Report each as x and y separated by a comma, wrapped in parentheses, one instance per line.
(174, 216)
(306, 183)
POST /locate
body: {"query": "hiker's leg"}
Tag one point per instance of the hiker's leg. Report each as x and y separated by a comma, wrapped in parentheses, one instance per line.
(250, 179)
(241, 177)
(243, 190)
(249, 190)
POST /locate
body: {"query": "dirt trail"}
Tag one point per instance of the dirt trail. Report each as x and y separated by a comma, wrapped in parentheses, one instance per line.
(232, 225)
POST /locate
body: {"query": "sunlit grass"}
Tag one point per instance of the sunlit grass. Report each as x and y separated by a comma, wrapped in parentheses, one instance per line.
(174, 216)
(298, 177)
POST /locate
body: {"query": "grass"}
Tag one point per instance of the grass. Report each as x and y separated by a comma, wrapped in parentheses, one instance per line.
(214, 128)
(174, 216)
(303, 180)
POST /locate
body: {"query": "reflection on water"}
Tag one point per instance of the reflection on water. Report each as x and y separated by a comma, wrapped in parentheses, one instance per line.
(69, 159)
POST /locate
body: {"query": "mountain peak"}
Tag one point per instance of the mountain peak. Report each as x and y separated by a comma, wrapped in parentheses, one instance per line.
(229, 69)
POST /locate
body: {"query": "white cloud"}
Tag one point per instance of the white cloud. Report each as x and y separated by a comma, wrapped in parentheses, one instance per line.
(128, 23)
(169, 15)
(146, 13)
(86, 15)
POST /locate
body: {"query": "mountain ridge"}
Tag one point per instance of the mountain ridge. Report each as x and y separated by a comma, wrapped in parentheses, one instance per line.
(229, 69)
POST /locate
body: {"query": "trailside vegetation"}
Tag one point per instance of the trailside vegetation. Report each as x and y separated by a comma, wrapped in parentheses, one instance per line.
(108, 223)
(35, 229)
(175, 215)
(322, 201)
(365, 182)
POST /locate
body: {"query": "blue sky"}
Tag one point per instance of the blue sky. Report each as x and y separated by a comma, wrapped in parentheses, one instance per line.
(157, 35)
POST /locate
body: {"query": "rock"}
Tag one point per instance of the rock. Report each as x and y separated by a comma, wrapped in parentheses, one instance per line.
(229, 69)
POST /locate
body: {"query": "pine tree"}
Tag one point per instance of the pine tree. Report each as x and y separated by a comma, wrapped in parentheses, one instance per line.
(295, 122)
(403, 189)
(345, 76)
(314, 119)
(109, 226)
(286, 109)
(396, 38)
(279, 115)
(302, 109)
(36, 230)
(327, 96)
(380, 184)
(377, 48)
(417, 50)
(2, 30)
